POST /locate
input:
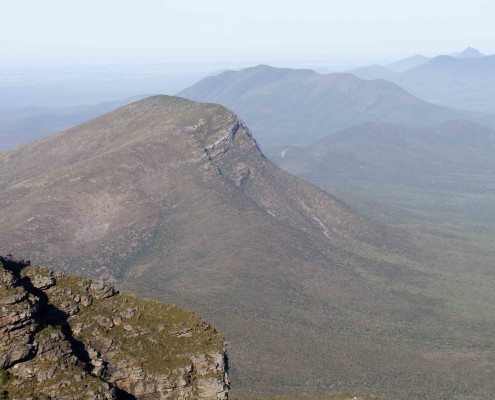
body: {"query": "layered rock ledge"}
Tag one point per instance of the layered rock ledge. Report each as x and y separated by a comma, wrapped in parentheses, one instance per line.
(66, 337)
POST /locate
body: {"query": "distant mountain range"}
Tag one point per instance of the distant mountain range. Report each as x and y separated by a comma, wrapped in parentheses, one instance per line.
(405, 64)
(287, 106)
(389, 71)
(463, 80)
(174, 200)
(467, 83)
(393, 69)
(447, 156)
(369, 139)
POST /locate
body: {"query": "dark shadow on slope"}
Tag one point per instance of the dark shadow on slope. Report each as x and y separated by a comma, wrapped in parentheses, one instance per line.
(123, 395)
(51, 316)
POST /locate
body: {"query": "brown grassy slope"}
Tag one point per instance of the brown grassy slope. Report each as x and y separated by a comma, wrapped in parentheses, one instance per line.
(105, 187)
(174, 200)
(330, 396)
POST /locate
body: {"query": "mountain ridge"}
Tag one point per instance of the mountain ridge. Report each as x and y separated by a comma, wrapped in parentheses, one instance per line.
(457, 82)
(382, 149)
(173, 199)
(290, 103)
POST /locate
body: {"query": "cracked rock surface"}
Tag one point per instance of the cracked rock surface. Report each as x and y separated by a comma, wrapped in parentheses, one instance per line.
(66, 337)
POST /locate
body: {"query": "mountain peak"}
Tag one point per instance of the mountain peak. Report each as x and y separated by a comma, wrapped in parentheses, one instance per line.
(166, 191)
(282, 103)
(469, 52)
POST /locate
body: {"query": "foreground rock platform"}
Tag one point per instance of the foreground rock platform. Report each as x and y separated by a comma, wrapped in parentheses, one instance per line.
(67, 337)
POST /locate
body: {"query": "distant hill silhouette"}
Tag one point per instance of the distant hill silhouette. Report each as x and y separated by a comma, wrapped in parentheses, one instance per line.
(469, 52)
(408, 63)
(287, 106)
(454, 156)
(463, 80)
(454, 81)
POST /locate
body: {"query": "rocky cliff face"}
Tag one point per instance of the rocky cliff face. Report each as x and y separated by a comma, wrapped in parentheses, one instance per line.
(66, 337)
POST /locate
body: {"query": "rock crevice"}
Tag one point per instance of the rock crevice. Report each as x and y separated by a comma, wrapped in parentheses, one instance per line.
(67, 337)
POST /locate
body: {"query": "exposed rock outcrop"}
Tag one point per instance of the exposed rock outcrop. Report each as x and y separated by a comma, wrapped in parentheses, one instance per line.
(66, 337)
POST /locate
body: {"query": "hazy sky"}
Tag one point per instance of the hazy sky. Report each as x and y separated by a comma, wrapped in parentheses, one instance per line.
(68, 31)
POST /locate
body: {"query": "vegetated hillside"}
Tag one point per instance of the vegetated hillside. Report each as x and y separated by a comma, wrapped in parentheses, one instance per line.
(287, 106)
(173, 199)
(467, 83)
(457, 155)
(21, 125)
(442, 174)
(66, 337)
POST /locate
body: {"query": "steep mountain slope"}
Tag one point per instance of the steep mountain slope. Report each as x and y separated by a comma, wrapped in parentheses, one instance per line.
(173, 199)
(116, 176)
(284, 106)
(467, 83)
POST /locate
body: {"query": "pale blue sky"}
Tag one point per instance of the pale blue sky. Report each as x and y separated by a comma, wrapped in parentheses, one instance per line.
(86, 31)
